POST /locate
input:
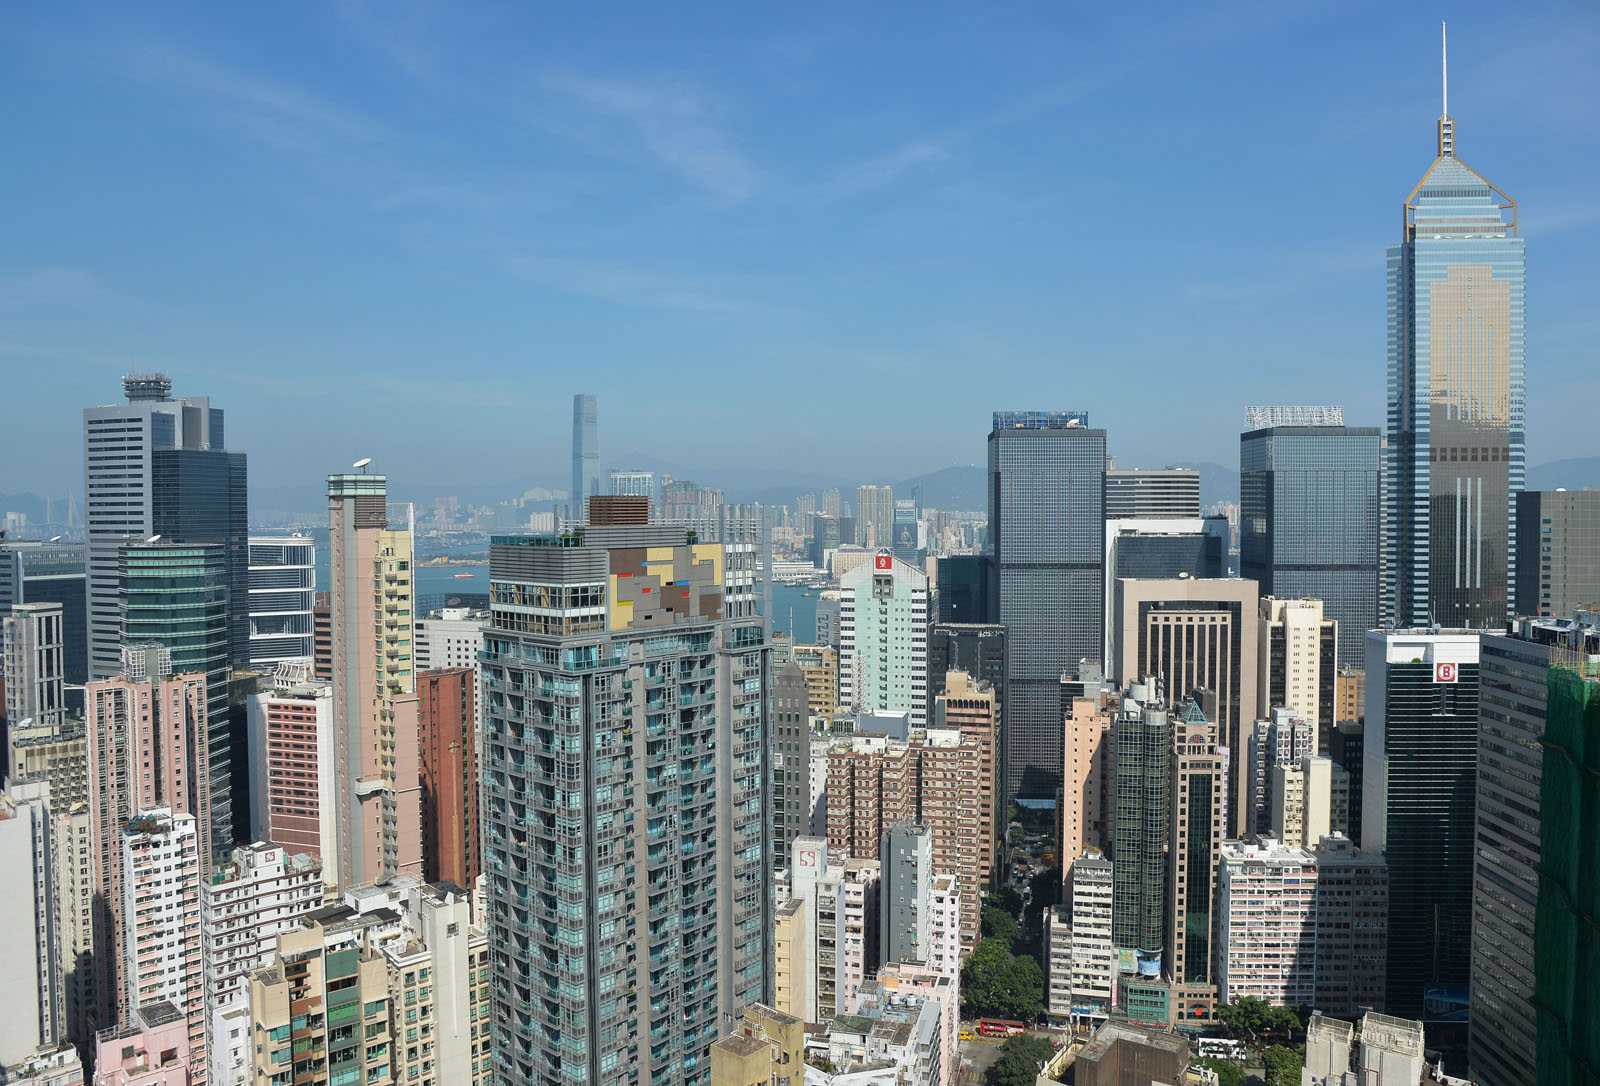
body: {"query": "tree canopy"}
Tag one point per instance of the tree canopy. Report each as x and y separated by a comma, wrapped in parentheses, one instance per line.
(996, 985)
(1281, 1065)
(1020, 1060)
(1227, 1072)
(1252, 1019)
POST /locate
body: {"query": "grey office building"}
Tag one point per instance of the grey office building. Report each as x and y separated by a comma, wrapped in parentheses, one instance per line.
(791, 761)
(33, 572)
(963, 588)
(905, 896)
(1047, 528)
(1308, 515)
(1515, 669)
(905, 533)
(626, 804)
(1558, 541)
(1152, 492)
(585, 454)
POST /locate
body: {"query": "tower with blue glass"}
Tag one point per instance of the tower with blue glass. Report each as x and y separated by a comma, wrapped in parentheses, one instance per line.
(1456, 430)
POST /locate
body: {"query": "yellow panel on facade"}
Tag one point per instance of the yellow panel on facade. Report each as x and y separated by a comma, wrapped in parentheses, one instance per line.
(711, 552)
(619, 613)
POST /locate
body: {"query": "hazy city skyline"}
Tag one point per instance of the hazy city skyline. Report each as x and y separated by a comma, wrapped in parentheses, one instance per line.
(444, 227)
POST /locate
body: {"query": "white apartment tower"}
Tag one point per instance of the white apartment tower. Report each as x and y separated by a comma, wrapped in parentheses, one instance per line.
(883, 639)
(161, 920)
(259, 894)
(1267, 921)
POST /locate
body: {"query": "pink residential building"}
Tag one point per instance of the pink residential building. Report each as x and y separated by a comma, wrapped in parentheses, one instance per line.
(151, 1049)
(161, 923)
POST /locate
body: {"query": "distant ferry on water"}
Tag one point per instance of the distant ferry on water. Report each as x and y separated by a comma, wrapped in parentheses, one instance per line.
(465, 576)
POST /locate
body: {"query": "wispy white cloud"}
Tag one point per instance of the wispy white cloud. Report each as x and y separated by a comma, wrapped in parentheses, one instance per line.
(279, 114)
(626, 284)
(883, 170)
(675, 123)
(396, 29)
(50, 286)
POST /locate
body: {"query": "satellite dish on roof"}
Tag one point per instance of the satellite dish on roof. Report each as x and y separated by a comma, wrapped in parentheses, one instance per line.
(55, 539)
(362, 463)
(154, 539)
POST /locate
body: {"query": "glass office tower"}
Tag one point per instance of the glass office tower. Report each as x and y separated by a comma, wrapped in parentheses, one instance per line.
(1456, 442)
(177, 596)
(1308, 517)
(1047, 474)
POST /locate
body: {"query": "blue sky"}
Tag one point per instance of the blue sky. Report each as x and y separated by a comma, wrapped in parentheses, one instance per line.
(822, 237)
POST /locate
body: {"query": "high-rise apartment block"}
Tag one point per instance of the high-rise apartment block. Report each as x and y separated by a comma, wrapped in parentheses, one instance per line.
(585, 453)
(1047, 532)
(1299, 662)
(258, 894)
(883, 638)
(1302, 801)
(972, 709)
(832, 939)
(1085, 818)
(146, 751)
(283, 589)
(1456, 455)
(378, 792)
(1352, 927)
(160, 938)
(321, 1010)
(1558, 544)
(1308, 514)
(1191, 632)
(1266, 923)
(819, 665)
(292, 766)
(1515, 703)
(1090, 894)
(1281, 741)
(1420, 746)
(768, 1049)
(448, 703)
(34, 665)
(30, 934)
(626, 734)
(1152, 492)
(905, 895)
(791, 761)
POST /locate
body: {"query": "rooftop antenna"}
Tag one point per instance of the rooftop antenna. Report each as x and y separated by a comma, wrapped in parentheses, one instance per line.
(1447, 126)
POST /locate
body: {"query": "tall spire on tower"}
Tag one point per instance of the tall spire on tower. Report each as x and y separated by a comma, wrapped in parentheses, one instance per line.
(1447, 125)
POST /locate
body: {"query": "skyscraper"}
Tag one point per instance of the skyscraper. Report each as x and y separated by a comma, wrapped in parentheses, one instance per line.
(283, 589)
(585, 454)
(875, 517)
(1197, 811)
(906, 528)
(626, 801)
(1559, 533)
(451, 833)
(1047, 528)
(1152, 492)
(176, 596)
(33, 572)
(160, 938)
(377, 793)
(1505, 878)
(1456, 428)
(1308, 514)
(1421, 750)
(1142, 741)
(33, 666)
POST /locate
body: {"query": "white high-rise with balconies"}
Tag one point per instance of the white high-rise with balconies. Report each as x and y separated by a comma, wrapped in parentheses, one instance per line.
(883, 639)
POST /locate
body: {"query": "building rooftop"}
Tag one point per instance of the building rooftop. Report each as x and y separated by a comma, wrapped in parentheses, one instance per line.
(740, 1045)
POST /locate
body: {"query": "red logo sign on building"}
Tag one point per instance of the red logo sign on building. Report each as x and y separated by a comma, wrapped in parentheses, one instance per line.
(885, 561)
(1446, 673)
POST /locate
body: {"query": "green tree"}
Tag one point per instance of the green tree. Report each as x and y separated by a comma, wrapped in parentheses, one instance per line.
(1228, 1074)
(1281, 1065)
(1008, 899)
(1001, 925)
(1020, 1060)
(984, 979)
(1025, 989)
